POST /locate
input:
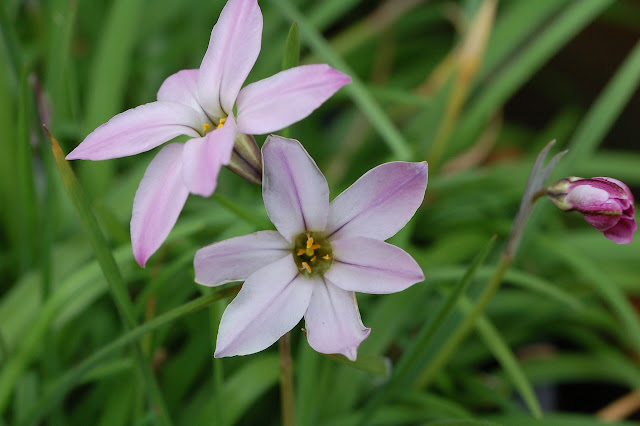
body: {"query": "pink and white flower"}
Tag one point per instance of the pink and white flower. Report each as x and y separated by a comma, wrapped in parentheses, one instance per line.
(199, 103)
(605, 203)
(319, 256)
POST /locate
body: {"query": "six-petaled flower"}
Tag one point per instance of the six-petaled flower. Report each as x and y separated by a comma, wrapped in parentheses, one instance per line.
(319, 256)
(199, 103)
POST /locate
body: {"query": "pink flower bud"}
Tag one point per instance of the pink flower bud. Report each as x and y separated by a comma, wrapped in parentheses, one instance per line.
(605, 203)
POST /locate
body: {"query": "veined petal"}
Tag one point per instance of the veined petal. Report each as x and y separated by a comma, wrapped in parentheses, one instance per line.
(333, 321)
(237, 258)
(295, 192)
(233, 49)
(158, 202)
(287, 97)
(622, 232)
(367, 265)
(203, 158)
(181, 87)
(137, 130)
(272, 301)
(380, 203)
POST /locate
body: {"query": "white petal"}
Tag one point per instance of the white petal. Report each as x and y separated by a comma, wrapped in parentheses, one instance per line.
(285, 98)
(295, 192)
(233, 49)
(333, 321)
(204, 157)
(367, 265)
(181, 87)
(272, 301)
(237, 258)
(137, 130)
(158, 202)
(380, 203)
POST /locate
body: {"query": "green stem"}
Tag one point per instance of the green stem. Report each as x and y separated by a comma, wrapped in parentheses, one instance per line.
(461, 332)
(59, 389)
(356, 89)
(286, 382)
(215, 314)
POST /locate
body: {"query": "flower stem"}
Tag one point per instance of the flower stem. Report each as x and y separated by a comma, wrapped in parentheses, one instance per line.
(286, 382)
(462, 331)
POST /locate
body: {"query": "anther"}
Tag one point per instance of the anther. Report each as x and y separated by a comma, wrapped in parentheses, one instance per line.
(206, 126)
(222, 121)
(309, 242)
(313, 259)
(301, 252)
(306, 266)
(326, 257)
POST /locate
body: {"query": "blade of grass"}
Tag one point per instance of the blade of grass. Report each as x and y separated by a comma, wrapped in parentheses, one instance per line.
(601, 283)
(26, 197)
(57, 391)
(291, 58)
(506, 358)
(409, 361)
(356, 89)
(110, 270)
(604, 112)
(108, 77)
(504, 83)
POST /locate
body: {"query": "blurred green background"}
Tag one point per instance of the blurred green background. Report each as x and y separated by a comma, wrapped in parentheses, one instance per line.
(475, 87)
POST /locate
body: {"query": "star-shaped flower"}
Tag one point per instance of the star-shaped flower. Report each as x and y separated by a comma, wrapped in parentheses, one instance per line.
(319, 256)
(199, 103)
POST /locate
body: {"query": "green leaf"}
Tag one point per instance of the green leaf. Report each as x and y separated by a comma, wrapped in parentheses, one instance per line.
(411, 359)
(291, 56)
(109, 269)
(356, 89)
(58, 390)
(507, 359)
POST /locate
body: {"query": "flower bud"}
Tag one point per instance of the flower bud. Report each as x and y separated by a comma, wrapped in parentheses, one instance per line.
(246, 159)
(605, 203)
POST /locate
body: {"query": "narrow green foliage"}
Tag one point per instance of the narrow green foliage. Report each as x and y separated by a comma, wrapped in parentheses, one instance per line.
(65, 383)
(291, 56)
(410, 361)
(356, 89)
(109, 269)
(25, 194)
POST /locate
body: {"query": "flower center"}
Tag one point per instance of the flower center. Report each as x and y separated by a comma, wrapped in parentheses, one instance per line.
(312, 253)
(207, 127)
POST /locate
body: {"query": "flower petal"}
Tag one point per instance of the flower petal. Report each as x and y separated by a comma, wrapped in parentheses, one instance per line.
(622, 232)
(181, 87)
(237, 258)
(233, 49)
(137, 130)
(367, 265)
(203, 158)
(295, 192)
(380, 203)
(158, 202)
(272, 301)
(333, 321)
(287, 97)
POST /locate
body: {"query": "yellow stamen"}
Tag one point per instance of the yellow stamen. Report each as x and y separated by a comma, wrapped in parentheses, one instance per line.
(301, 252)
(222, 121)
(309, 242)
(206, 126)
(306, 266)
(315, 247)
(326, 257)
(313, 259)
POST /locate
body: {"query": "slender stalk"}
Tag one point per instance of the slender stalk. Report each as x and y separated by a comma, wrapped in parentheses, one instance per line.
(286, 382)
(461, 332)
(215, 314)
